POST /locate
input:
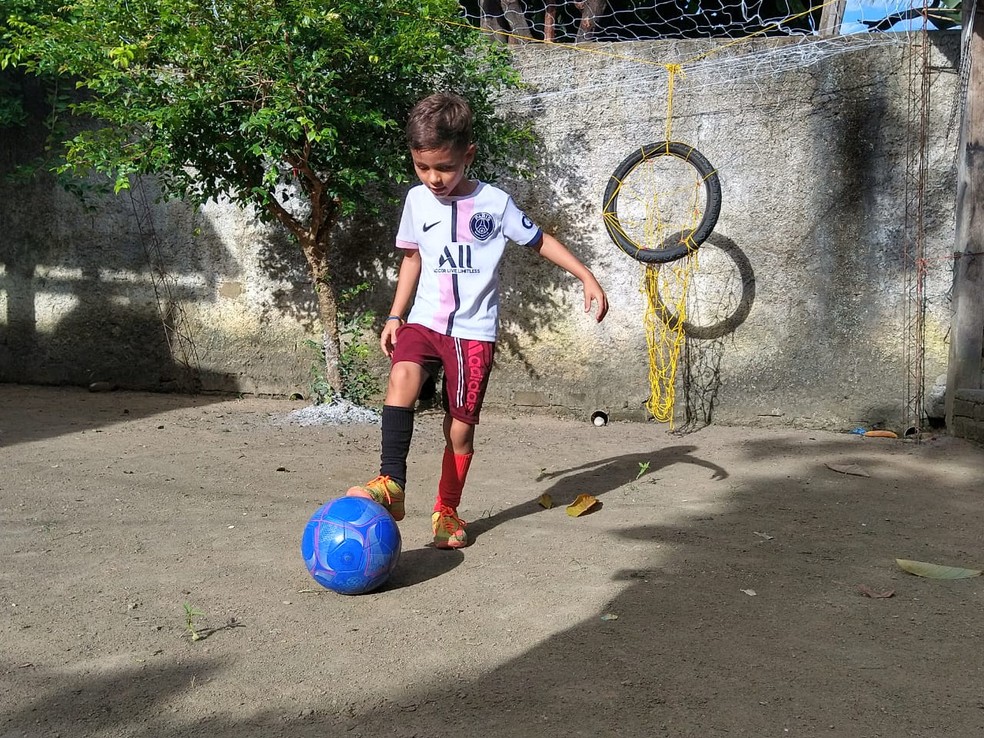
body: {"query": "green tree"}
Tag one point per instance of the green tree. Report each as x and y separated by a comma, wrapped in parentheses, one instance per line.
(12, 112)
(25, 97)
(293, 107)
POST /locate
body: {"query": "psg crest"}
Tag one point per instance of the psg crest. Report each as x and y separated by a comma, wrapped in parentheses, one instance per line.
(482, 226)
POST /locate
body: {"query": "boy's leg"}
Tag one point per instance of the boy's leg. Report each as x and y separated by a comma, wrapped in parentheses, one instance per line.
(458, 453)
(406, 379)
(466, 375)
(449, 529)
(387, 489)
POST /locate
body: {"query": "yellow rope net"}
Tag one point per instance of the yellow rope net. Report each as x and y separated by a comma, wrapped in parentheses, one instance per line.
(660, 203)
(664, 331)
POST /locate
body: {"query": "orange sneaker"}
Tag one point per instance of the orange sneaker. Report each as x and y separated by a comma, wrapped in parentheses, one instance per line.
(386, 492)
(449, 529)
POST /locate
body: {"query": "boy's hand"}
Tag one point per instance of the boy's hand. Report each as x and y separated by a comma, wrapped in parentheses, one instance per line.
(594, 293)
(554, 251)
(387, 339)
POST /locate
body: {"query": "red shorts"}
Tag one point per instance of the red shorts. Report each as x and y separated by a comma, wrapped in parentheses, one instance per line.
(467, 365)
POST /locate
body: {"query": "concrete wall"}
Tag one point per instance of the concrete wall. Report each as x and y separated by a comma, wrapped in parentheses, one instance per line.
(803, 288)
(83, 294)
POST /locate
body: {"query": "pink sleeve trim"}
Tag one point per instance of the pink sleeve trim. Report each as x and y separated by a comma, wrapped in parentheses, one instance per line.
(407, 245)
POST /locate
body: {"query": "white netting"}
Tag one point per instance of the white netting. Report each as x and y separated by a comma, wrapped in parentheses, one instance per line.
(637, 20)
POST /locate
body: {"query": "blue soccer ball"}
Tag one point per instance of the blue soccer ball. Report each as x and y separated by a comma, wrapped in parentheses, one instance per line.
(351, 545)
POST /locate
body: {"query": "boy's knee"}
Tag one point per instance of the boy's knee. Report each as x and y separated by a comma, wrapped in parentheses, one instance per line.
(404, 373)
(461, 435)
(405, 380)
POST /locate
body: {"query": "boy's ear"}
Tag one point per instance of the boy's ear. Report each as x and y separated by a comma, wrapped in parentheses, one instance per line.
(470, 154)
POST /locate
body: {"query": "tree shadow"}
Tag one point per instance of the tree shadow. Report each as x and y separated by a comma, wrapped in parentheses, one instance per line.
(94, 291)
(27, 415)
(530, 286)
(89, 701)
(595, 478)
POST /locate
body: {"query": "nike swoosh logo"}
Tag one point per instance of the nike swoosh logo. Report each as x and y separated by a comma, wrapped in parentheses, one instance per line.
(428, 226)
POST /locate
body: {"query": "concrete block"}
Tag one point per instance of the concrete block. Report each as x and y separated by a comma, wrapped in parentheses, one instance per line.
(963, 408)
(968, 429)
(975, 396)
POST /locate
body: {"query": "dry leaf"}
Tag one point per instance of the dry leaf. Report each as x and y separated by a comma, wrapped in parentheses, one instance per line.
(750, 592)
(852, 469)
(545, 501)
(881, 434)
(581, 505)
(936, 571)
(869, 592)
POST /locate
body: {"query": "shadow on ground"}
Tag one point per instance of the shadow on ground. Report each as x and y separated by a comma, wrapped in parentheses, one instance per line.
(22, 420)
(746, 620)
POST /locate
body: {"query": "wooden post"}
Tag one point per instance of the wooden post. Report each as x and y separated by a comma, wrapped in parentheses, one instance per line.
(591, 10)
(832, 17)
(550, 21)
(967, 323)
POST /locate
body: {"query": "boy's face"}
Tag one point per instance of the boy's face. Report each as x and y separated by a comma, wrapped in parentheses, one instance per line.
(443, 170)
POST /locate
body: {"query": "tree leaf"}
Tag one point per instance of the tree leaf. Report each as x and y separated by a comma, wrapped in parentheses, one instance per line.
(546, 501)
(581, 505)
(936, 571)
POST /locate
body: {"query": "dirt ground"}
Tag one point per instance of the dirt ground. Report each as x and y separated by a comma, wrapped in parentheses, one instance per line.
(714, 593)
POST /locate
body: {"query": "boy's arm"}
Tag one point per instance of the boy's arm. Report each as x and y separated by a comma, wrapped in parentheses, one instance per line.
(406, 284)
(554, 251)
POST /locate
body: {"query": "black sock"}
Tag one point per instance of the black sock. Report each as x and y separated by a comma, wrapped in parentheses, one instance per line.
(397, 434)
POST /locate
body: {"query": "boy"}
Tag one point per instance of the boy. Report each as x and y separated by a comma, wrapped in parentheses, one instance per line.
(453, 233)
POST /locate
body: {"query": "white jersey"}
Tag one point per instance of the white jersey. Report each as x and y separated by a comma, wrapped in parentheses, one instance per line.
(461, 241)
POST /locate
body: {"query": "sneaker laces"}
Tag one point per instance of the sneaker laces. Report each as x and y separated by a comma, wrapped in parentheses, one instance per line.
(383, 486)
(448, 518)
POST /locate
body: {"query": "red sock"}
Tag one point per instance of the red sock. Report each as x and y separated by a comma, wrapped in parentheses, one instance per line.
(454, 470)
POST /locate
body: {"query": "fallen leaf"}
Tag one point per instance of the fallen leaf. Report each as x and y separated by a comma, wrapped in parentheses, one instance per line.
(881, 434)
(936, 571)
(766, 536)
(581, 505)
(750, 592)
(546, 501)
(609, 616)
(869, 592)
(852, 469)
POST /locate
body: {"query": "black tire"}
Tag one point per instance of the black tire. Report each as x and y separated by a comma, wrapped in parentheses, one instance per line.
(674, 247)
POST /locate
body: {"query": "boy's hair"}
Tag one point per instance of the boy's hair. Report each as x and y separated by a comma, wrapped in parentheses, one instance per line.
(438, 121)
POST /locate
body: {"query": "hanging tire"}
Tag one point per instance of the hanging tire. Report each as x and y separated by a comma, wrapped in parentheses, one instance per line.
(681, 243)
